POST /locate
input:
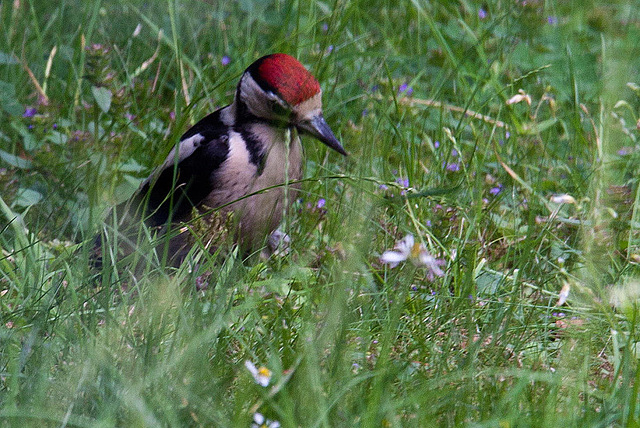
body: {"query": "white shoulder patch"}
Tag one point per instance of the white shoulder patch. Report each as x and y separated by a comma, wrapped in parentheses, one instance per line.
(185, 149)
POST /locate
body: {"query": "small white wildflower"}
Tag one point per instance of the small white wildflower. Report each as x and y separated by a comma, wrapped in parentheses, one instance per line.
(259, 421)
(136, 32)
(431, 263)
(261, 375)
(519, 97)
(408, 249)
(564, 294)
(258, 418)
(563, 199)
(279, 243)
(400, 253)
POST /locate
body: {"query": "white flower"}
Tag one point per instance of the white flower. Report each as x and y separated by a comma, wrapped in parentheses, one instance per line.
(136, 32)
(519, 97)
(408, 249)
(279, 243)
(563, 199)
(564, 294)
(261, 375)
(259, 421)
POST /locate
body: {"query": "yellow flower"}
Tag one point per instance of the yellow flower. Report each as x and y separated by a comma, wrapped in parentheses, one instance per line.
(261, 375)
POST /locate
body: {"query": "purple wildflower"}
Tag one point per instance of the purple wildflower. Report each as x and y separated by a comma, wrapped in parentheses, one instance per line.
(365, 112)
(436, 144)
(225, 60)
(383, 187)
(482, 14)
(495, 190)
(552, 20)
(453, 167)
(428, 222)
(321, 203)
(405, 88)
(454, 152)
(624, 151)
(325, 27)
(55, 126)
(29, 112)
(404, 182)
(329, 48)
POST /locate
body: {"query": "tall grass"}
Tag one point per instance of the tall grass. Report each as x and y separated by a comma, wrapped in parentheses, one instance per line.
(93, 96)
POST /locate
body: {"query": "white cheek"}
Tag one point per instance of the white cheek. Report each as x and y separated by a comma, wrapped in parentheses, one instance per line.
(258, 103)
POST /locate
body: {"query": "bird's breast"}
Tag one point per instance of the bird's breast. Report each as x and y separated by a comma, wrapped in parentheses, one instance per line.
(268, 182)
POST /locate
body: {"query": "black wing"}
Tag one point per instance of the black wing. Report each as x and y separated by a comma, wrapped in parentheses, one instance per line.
(171, 193)
(178, 188)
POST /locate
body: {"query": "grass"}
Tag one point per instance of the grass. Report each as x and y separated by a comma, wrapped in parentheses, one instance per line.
(421, 96)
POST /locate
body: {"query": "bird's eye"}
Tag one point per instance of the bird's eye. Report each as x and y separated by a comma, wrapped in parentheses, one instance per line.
(277, 108)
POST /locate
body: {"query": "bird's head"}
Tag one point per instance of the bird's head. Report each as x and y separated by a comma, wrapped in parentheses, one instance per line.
(279, 89)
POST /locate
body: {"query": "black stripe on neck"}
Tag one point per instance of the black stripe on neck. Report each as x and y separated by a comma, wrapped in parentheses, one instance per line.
(255, 147)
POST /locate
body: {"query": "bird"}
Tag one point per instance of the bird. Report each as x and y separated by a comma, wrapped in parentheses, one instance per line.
(235, 162)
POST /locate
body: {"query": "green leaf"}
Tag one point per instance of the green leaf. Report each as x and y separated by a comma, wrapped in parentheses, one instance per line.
(126, 188)
(8, 100)
(534, 128)
(27, 197)
(131, 166)
(6, 58)
(488, 283)
(102, 96)
(28, 140)
(56, 138)
(14, 160)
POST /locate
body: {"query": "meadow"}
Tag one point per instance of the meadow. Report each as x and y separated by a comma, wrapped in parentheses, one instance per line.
(501, 135)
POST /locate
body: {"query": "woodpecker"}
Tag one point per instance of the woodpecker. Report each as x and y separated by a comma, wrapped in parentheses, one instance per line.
(238, 159)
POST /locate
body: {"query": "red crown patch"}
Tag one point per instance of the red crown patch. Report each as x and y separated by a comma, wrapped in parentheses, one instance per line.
(289, 78)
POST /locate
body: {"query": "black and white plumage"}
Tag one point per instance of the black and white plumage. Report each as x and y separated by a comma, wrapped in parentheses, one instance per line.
(243, 148)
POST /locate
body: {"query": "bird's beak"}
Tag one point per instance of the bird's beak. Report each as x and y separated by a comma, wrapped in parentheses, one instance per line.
(319, 128)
